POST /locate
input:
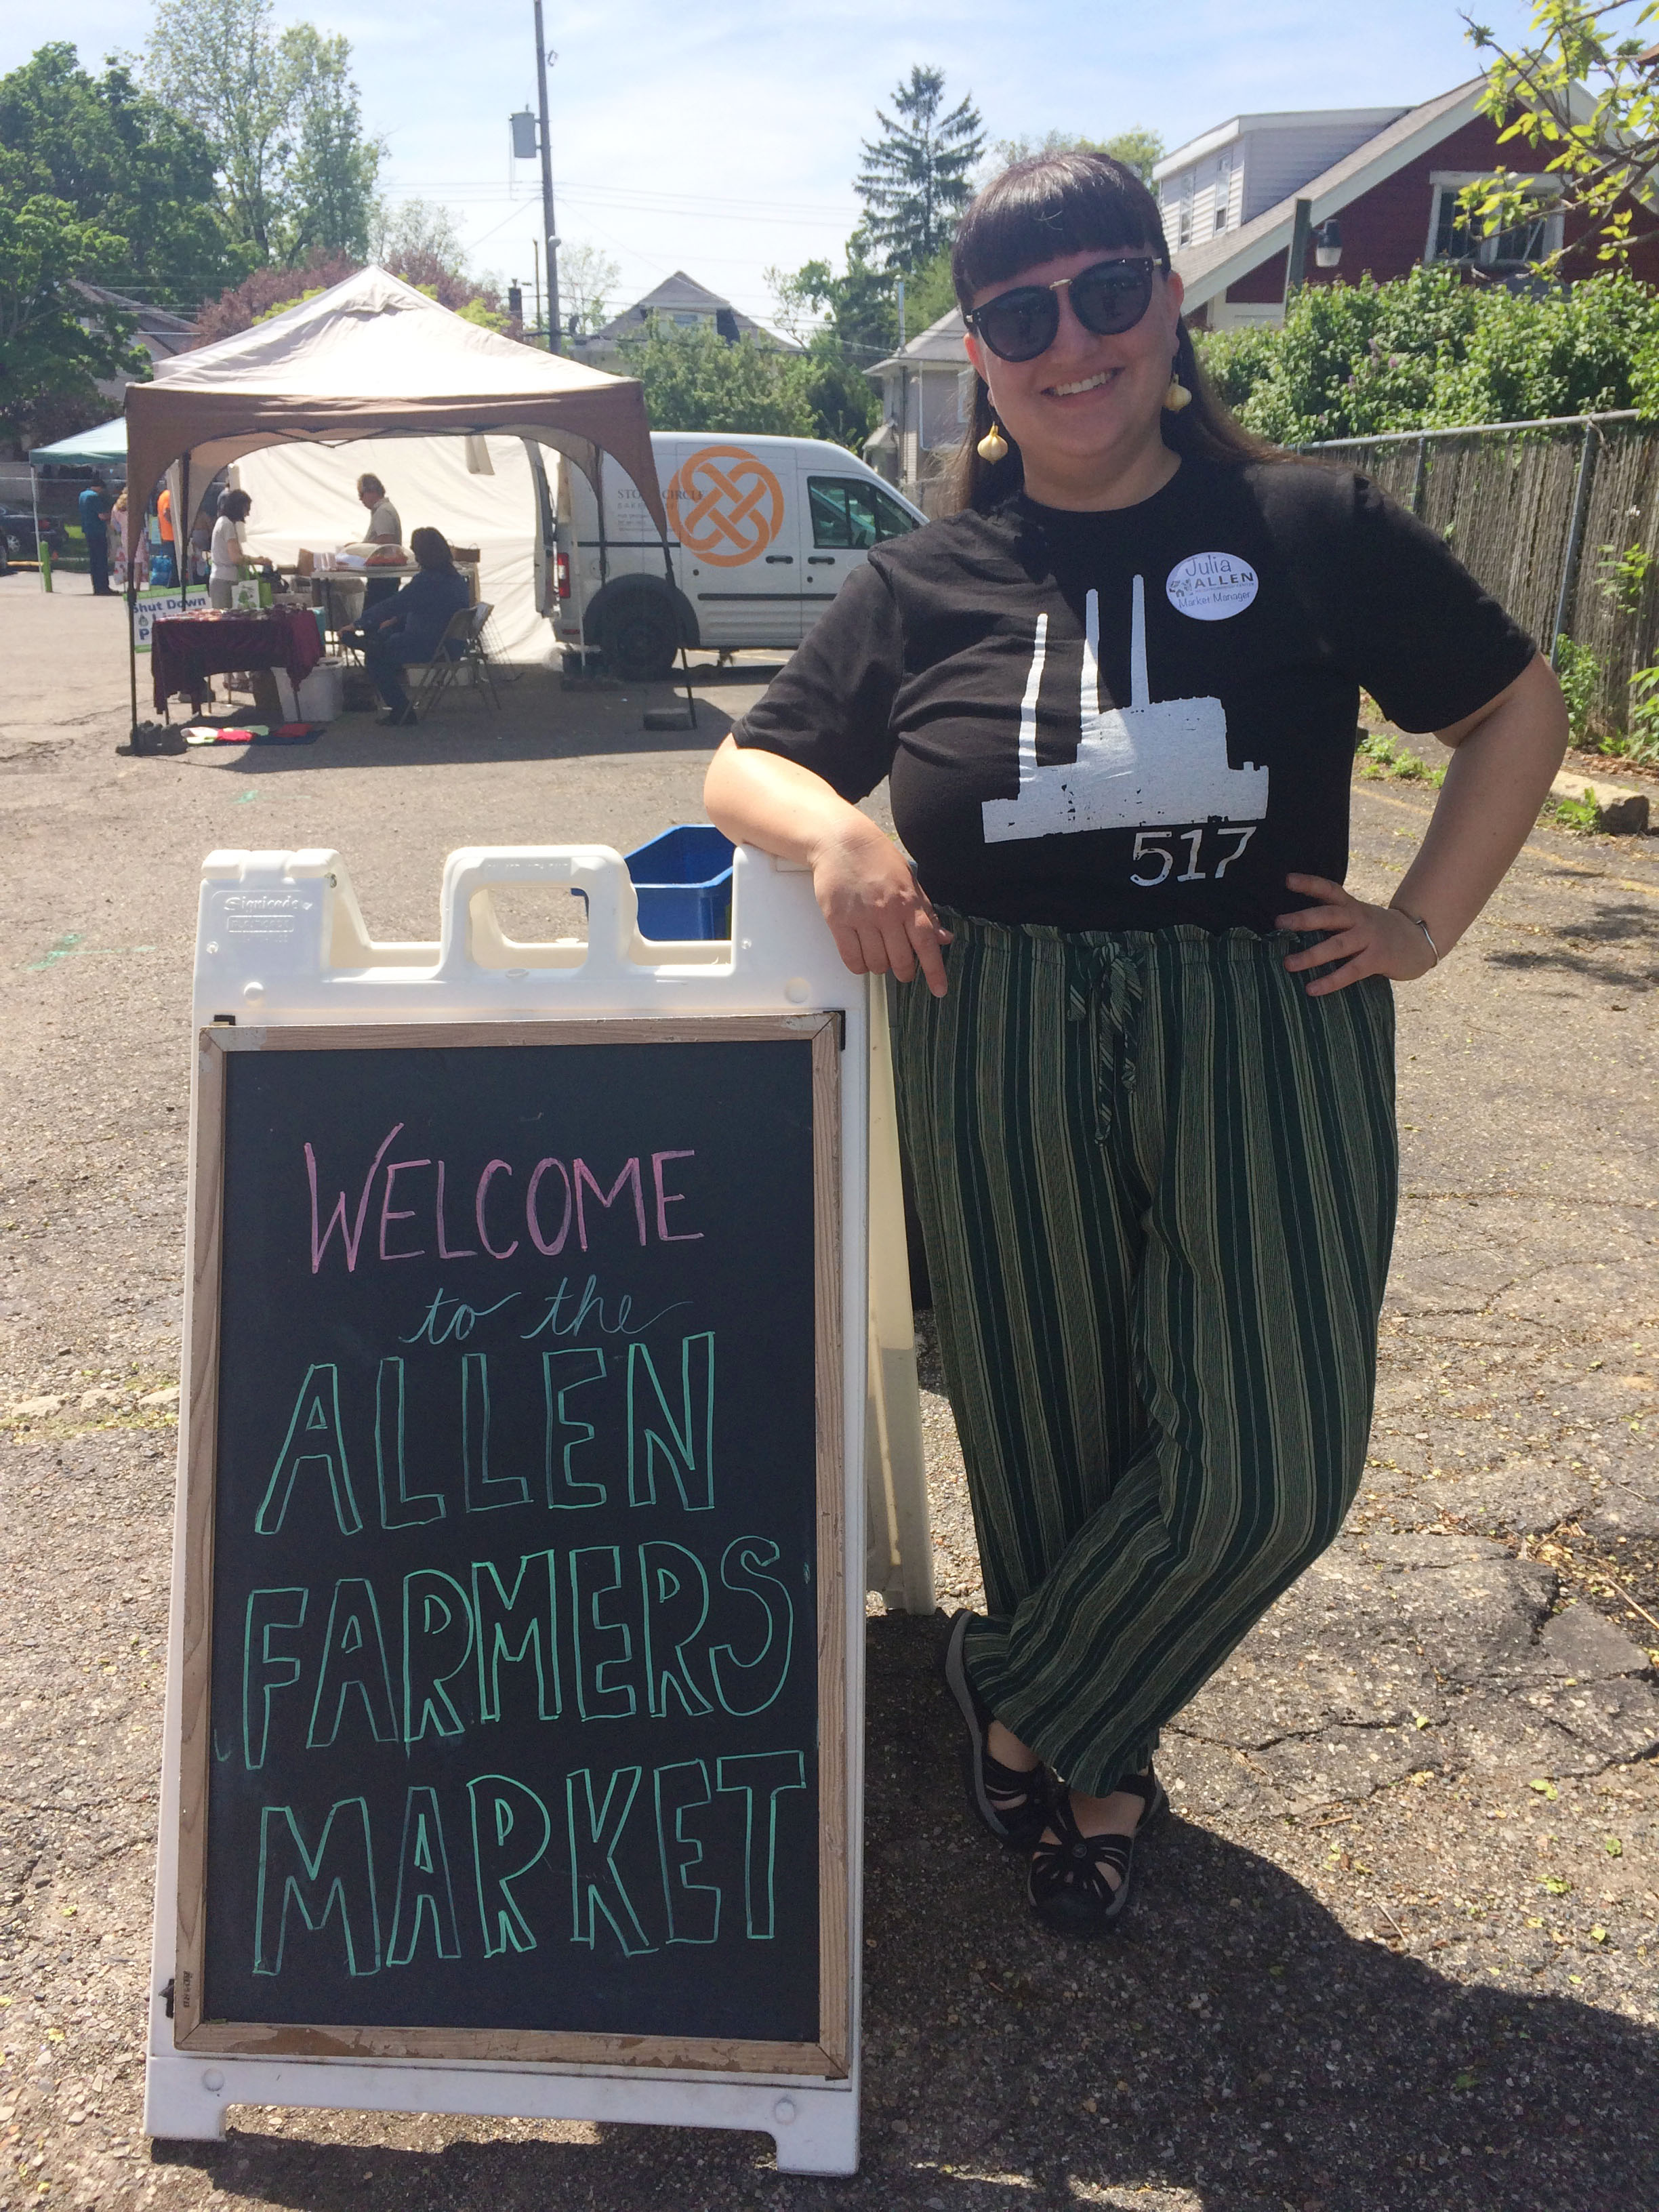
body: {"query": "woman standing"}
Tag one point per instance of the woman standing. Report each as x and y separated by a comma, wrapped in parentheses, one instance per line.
(226, 555)
(1148, 1093)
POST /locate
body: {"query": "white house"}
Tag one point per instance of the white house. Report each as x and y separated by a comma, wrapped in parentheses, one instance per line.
(927, 399)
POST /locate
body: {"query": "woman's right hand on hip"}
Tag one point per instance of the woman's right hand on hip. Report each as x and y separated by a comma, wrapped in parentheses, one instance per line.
(881, 919)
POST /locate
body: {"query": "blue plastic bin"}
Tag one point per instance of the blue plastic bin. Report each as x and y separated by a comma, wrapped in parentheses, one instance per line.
(684, 881)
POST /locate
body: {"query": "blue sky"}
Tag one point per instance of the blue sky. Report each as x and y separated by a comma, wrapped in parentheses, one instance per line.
(721, 136)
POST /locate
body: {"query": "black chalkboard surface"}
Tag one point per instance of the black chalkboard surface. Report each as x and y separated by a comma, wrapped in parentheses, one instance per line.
(513, 1694)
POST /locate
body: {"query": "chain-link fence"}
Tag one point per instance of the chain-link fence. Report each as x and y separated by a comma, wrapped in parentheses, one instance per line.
(1542, 514)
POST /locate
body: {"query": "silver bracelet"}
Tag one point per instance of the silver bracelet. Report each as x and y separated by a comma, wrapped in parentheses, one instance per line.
(1424, 927)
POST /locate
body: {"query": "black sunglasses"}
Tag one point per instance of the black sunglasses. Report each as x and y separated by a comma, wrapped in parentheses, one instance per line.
(1109, 298)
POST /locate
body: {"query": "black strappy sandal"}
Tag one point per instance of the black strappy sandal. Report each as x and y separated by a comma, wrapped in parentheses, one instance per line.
(1013, 1802)
(1067, 1886)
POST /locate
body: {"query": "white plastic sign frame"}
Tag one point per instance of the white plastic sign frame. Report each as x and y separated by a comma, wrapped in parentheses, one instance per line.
(280, 941)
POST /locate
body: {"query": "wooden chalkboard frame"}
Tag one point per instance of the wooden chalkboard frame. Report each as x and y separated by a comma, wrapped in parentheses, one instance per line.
(827, 2058)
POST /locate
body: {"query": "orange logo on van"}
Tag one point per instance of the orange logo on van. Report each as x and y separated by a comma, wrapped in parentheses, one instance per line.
(725, 506)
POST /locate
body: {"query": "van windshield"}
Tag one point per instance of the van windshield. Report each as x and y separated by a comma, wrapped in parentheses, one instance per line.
(850, 515)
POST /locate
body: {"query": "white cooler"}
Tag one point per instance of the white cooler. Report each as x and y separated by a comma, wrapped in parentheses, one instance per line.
(320, 697)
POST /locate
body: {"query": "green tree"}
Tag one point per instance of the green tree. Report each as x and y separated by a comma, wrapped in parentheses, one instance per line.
(405, 232)
(588, 278)
(1603, 151)
(859, 309)
(914, 181)
(123, 161)
(329, 190)
(280, 112)
(844, 404)
(695, 379)
(55, 345)
(1138, 149)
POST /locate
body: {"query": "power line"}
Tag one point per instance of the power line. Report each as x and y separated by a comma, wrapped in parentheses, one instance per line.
(623, 194)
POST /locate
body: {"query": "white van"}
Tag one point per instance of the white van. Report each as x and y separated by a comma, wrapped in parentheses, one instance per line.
(763, 532)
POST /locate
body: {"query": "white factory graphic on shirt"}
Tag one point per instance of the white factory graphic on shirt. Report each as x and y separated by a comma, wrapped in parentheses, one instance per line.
(1150, 763)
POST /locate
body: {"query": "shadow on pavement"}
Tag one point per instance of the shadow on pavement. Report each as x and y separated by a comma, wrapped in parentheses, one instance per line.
(1237, 2050)
(537, 721)
(1629, 928)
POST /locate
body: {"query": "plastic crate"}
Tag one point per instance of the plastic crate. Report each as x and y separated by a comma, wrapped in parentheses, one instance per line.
(684, 881)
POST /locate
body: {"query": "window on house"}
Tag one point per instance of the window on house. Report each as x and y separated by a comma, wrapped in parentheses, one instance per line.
(1184, 219)
(1452, 238)
(1224, 191)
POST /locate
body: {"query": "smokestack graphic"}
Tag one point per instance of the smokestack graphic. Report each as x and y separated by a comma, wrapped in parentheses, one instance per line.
(1150, 764)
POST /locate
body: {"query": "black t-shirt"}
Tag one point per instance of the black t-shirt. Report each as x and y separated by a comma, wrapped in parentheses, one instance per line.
(1130, 720)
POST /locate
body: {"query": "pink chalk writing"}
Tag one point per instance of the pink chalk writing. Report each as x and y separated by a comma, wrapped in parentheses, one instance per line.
(349, 1238)
(630, 1174)
(597, 1202)
(496, 1167)
(667, 1198)
(389, 1213)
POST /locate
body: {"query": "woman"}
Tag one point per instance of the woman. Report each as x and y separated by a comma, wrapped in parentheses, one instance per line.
(1148, 1093)
(409, 626)
(226, 555)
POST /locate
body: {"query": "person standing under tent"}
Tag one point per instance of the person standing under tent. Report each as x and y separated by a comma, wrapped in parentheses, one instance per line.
(384, 528)
(164, 569)
(1148, 1092)
(226, 556)
(94, 505)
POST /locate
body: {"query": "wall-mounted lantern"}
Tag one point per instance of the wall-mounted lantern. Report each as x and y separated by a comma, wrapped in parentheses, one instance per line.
(1327, 244)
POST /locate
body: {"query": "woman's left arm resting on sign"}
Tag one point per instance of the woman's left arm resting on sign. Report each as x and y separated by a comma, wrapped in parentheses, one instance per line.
(1505, 757)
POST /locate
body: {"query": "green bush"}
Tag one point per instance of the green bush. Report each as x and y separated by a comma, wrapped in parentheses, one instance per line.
(1431, 350)
(1579, 674)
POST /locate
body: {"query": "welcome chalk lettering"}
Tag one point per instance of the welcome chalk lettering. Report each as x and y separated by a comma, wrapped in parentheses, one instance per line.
(574, 1191)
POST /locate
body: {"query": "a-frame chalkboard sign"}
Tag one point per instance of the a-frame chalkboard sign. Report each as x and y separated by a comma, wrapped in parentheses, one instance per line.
(513, 1747)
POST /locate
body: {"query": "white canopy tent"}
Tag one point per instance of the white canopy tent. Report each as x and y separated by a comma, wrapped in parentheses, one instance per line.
(373, 359)
(305, 497)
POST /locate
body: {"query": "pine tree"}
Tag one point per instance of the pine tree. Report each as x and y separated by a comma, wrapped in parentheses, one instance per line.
(915, 181)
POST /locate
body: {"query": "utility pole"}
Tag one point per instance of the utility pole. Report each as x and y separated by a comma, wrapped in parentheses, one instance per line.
(553, 338)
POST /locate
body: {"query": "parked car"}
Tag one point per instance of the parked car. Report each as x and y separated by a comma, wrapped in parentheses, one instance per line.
(763, 532)
(17, 538)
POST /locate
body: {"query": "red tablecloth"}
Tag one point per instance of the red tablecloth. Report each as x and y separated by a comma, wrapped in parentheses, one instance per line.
(185, 649)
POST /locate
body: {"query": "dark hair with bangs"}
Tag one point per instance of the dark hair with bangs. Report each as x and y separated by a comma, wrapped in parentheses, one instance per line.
(1036, 211)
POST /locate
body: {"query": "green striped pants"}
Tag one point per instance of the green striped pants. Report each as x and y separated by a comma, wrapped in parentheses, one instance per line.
(1157, 1183)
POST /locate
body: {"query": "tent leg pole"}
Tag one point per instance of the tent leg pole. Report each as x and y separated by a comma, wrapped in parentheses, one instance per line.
(685, 672)
(132, 627)
(685, 666)
(44, 566)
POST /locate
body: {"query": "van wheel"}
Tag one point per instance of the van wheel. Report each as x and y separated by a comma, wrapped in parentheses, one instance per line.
(641, 638)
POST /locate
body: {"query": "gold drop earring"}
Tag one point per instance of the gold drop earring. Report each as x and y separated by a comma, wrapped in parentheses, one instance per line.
(1177, 396)
(992, 446)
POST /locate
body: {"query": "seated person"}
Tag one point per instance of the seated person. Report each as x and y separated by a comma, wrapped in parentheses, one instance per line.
(408, 628)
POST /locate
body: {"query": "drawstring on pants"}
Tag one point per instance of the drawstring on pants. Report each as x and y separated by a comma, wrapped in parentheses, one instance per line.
(1105, 987)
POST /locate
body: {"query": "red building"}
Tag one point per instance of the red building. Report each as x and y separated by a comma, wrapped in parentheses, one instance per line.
(1390, 178)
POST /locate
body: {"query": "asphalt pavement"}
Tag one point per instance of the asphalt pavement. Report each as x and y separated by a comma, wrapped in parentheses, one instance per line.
(1399, 1944)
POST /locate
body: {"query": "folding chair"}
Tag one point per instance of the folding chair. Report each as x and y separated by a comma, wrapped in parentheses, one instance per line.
(465, 631)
